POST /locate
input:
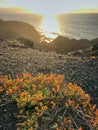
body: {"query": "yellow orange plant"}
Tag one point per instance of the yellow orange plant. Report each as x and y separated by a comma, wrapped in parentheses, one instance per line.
(47, 103)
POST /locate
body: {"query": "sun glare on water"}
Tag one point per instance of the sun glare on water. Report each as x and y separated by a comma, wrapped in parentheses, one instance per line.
(49, 27)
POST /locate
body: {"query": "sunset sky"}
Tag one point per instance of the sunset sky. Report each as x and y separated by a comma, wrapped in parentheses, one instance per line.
(50, 6)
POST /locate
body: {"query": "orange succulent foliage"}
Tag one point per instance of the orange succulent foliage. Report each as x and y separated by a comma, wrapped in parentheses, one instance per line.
(22, 94)
(80, 128)
(43, 94)
(10, 91)
(16, 88)
(1, 89)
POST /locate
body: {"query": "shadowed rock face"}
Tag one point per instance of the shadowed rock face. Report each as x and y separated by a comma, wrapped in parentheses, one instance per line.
(94, 43)
(16, 29)
(64, 45)
(94, 48)
(78, 53)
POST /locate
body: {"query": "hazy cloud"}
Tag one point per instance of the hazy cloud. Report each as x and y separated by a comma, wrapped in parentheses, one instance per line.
(12, 10)
(87, 11)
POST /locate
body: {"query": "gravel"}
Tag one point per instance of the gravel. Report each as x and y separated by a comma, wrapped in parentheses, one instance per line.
(82, 70)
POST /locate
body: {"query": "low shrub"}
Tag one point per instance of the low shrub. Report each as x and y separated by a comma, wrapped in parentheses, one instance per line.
(47, 103)
(27, 42)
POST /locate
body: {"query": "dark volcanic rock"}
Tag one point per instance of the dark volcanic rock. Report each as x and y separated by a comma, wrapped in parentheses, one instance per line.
(8, 113)
(94, 48)
(94, 43)
(64, 45)
(78, 53)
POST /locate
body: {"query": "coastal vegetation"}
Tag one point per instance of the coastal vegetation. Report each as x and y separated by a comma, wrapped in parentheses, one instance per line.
(45, 102)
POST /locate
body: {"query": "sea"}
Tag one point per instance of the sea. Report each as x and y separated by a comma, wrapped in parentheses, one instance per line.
(78, 26)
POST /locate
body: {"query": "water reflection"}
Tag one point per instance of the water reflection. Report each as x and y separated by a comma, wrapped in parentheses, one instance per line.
(49, 28)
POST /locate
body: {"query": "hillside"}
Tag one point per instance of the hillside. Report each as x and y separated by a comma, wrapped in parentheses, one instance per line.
(64, 44)
(16, 29)
(76, 66)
